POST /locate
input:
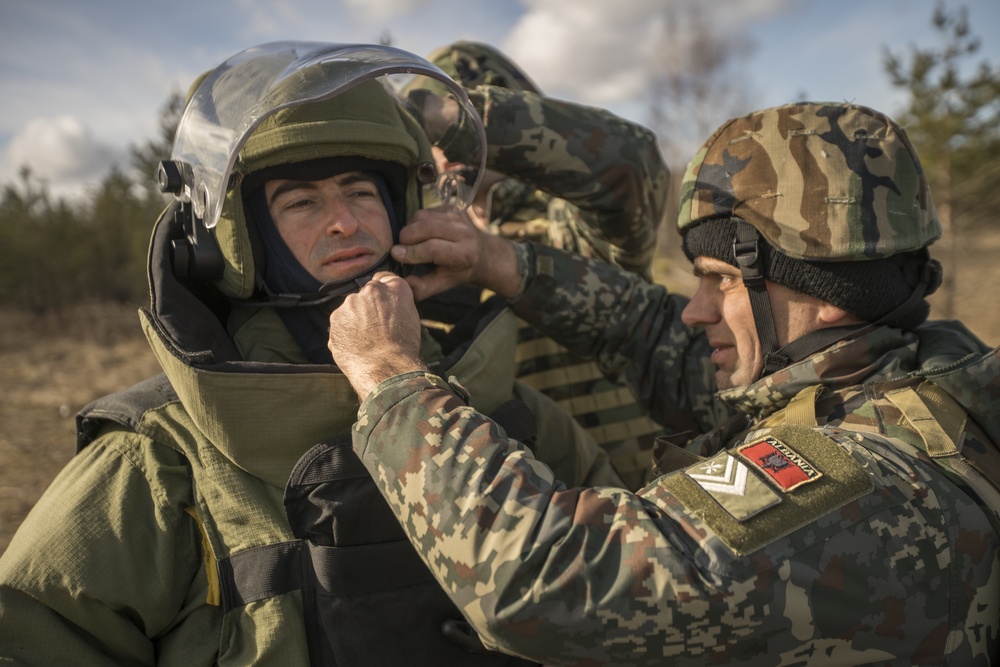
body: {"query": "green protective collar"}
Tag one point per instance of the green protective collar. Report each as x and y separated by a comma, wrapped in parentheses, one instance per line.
(264, 417)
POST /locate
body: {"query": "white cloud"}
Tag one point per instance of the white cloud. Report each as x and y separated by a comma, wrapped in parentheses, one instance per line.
(60, 152)
(582, 49)
(267, 19)
(596, 51)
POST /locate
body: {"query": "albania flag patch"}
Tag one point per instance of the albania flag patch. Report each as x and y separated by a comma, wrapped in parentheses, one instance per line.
(779, 463)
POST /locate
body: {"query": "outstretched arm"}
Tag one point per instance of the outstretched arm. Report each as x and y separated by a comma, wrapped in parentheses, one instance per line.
(607, 169)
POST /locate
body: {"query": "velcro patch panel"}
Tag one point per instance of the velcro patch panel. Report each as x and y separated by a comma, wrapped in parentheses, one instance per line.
(809, 474)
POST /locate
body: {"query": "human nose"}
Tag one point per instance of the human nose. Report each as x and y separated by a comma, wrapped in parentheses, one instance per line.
(701, 309)
(340, 218)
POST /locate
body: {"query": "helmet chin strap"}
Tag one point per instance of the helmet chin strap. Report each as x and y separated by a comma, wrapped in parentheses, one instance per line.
(329, 293)
(746, 249)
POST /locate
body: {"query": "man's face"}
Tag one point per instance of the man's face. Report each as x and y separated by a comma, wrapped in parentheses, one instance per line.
(722, 307)
(337, 227)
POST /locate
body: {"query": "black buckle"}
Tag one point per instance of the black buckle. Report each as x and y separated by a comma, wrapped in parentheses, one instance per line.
(748, 258)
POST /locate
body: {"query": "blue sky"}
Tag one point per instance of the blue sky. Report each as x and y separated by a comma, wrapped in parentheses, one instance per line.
(81, 80)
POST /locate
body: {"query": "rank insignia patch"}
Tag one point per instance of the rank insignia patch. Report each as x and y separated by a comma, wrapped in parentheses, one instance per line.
(780, 463)
(731, 484)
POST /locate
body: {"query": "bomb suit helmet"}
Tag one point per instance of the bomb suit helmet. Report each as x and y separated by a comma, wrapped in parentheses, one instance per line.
(286, 103)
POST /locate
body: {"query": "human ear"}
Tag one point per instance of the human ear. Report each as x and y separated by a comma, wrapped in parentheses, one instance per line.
(831, 315)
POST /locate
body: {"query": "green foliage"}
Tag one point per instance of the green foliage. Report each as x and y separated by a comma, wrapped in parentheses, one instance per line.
(953, 119)
(146, 157)
(54, 255)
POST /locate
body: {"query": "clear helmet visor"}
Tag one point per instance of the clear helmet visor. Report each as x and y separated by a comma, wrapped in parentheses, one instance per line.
(232, 100)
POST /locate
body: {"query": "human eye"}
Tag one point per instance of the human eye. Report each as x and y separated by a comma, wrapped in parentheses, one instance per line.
(362, 190)
(296, 202)
(728, 281)
(291, 196)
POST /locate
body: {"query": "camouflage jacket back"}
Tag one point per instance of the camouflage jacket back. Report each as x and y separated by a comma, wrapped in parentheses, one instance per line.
(584, 181)
(777, 542)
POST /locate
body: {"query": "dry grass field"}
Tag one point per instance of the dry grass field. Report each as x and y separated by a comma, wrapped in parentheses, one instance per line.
(50, 368)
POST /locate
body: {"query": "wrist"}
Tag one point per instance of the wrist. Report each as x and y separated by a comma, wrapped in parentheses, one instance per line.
(364, 380)
(503, 273)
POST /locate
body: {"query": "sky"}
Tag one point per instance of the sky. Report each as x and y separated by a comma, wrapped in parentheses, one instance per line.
(83, 80)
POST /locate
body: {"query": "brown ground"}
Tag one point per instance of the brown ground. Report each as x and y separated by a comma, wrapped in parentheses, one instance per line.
(50, 368)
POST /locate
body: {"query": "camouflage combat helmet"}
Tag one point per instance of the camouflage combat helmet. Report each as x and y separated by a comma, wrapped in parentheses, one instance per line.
(828, 199)
(474, 64)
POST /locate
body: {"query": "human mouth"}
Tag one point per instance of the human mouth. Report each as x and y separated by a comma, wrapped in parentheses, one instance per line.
(348, 258)
(721, 352)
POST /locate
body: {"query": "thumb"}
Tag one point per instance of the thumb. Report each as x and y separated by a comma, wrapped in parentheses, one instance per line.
(407, 254)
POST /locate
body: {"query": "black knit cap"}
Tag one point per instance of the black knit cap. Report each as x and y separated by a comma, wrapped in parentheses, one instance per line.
(868, 289)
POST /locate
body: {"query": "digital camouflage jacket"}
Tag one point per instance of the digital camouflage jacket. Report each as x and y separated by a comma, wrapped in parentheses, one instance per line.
(586, 181)
(814, 529)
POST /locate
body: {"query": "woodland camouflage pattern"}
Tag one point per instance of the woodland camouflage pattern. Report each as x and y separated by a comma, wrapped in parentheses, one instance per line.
(611, 171)
(819, 181)
(476, 64)
(849, 546)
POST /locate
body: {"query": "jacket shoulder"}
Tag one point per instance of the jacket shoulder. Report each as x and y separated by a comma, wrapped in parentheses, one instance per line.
(124, 408)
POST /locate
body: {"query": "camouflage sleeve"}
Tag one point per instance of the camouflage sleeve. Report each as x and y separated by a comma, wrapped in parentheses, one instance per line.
(822, 559)
(632, 328)
(551, 574)
(610, 169)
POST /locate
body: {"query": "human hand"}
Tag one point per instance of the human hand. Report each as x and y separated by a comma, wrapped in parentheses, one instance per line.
(375, 333)
(459, 252)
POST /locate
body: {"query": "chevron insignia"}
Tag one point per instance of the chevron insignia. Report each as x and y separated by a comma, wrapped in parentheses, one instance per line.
(729, 482)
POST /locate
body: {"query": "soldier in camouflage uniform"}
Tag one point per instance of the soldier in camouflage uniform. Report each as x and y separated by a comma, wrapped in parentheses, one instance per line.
(848, 516)
(536, 194)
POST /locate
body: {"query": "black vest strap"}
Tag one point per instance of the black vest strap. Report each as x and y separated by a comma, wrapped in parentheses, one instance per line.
(259, 573)
(263, 572)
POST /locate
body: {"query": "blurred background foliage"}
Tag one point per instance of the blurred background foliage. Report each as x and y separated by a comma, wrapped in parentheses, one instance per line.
(54, 254)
